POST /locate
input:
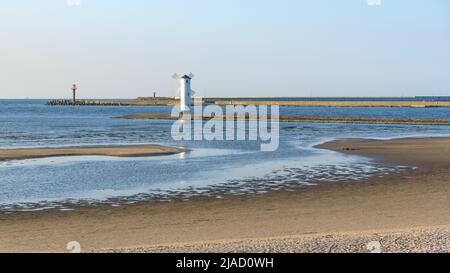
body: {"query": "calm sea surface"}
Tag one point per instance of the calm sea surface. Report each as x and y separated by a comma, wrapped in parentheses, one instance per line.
(209, 168)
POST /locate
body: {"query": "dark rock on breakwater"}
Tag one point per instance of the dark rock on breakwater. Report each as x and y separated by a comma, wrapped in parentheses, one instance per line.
(317, 119)
(137, 102)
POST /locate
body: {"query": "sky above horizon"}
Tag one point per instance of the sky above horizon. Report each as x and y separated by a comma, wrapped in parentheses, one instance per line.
(127, 49)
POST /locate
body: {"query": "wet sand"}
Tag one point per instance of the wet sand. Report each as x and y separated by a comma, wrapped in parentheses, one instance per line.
(116, 151)
(406, 212)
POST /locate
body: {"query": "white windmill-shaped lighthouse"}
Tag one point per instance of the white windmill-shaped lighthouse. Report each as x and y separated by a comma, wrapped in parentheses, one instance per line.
(184, 91)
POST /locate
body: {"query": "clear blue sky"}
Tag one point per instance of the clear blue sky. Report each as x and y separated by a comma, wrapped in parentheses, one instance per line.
(125, 49)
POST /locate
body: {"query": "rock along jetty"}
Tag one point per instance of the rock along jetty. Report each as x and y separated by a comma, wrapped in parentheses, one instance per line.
(166, 101)
(82, 103)
(136, 102)
(312, 119)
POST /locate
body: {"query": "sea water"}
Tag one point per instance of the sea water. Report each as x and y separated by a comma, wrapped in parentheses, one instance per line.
(212, 169)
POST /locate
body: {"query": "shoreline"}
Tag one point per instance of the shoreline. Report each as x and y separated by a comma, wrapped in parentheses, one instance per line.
(113, 151)
(348, 215)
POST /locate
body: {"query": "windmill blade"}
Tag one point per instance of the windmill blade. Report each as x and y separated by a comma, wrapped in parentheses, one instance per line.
(178, 90)
(191, 75)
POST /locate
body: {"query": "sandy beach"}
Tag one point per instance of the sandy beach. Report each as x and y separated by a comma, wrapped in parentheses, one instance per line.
(116, 151)
(403, 212)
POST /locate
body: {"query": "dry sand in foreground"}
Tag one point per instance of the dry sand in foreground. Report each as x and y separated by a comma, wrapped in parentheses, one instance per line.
(118, 151)
(430, 239)
(408, 211)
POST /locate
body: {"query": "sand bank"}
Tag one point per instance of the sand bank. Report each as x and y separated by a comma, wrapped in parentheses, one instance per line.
(407, 211)
(318, 119)
(425, 153)
(117, 151)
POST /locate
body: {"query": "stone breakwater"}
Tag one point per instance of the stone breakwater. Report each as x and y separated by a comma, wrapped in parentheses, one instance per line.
(137, 102)
(318, 119)
(415, 104)
(167, 101)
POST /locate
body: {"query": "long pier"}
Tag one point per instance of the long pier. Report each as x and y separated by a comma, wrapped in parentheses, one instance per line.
(137, 102)
(207, 101)
(418, 104)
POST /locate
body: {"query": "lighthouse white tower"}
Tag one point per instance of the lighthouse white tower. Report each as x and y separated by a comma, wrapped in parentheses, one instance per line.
(184, 90)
